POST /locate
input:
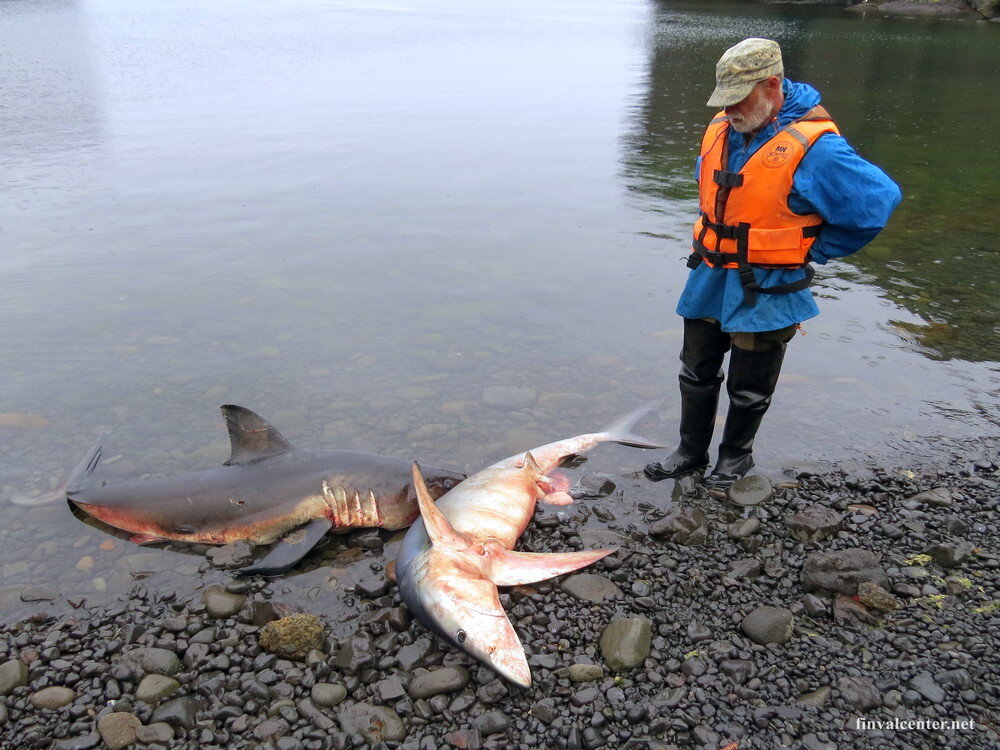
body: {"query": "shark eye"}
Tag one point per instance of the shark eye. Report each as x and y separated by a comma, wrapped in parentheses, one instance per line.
(460, 636)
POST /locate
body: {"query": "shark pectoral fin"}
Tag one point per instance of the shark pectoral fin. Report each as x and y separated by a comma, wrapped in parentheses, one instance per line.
(517, 568)
(288, 550)
(251, 436)
(142, 539)
(439, 529)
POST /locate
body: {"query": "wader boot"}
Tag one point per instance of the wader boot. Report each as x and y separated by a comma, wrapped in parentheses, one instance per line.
(752, 378)
(704, 348)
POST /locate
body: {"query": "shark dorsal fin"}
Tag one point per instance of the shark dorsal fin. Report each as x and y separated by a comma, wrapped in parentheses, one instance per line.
(439, 528)
(531, 468)
(252, 437)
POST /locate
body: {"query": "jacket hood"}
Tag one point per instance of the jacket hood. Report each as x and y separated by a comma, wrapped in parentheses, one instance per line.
(799, 99)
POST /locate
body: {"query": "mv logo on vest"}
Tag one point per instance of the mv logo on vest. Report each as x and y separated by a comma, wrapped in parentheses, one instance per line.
(778, 155)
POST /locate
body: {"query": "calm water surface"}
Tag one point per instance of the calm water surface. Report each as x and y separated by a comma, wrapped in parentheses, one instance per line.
(360, 219)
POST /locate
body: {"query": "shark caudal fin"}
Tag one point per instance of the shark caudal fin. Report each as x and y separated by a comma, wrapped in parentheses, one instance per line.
(622, 430)
(518, 568)
(251, 436)
(439, 529)
(78, 479)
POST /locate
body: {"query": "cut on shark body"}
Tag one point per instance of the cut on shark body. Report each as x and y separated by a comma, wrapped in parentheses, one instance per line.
(455, 556)
(268, 491)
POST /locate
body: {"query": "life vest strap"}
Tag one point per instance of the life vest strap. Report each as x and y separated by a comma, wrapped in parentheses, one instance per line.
(727, 179)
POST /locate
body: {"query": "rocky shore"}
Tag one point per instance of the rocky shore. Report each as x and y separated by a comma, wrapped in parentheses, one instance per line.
(781, 616)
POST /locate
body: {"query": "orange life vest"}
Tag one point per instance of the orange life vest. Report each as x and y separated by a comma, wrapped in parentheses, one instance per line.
(744, 219)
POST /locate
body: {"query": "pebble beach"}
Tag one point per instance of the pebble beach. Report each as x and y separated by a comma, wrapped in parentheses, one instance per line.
(819, 610)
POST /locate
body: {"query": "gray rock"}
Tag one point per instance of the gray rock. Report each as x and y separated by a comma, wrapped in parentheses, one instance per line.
(841, 571)
(847, 611)
(155, 688)
(315, 715)
(814, 606)
(754, 489)
(327, 694)
(590, 587)
(738, 670)
(159, 733)
(872, 595)
(585, 672)
(924, 684)
(685, 526)
(412, 655)
(951, 554)
(118, 729)
(747, 568)
(593, 485)
(743, 528)
(52, 697)
(625, 643)
(40, 593)
(940, 497)
(179, 713)
(491, 723)
(375, 723)
(13, 674)
(356, 654)
(815, 523)
(372, 588)
(389, 689)
(769, 625)
(815, 699)
(234, 555)
(438, 681)
(219, 603)
(859, 693)
(153, 661)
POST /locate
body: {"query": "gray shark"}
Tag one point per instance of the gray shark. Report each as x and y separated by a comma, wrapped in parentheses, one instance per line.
(268, 491)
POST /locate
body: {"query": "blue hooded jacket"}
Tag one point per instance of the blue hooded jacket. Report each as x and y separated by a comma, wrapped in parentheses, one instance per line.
(854, 197)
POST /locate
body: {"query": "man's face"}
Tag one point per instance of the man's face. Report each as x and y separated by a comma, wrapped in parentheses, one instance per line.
(752, 113)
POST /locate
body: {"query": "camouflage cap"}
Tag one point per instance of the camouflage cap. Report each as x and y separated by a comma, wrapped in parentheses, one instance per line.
(741, 67)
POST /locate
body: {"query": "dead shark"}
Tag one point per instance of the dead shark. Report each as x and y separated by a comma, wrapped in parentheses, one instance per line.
(267, 491)
(453, 558)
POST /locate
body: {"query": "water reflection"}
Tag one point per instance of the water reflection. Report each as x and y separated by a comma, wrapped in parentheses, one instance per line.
(901, 93)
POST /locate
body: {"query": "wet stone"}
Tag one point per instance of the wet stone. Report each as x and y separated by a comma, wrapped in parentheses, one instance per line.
(751, 490)
(152, 661)
(593, 485)
(438, 681)
(314, 715)
(374, 723)
(841, 571)
(814, 606)
(586, 696)
(372, 588)
(491, 722)
(155, 688)
(158, 733)
(389, 689)
(747, 568)
(585, 672)
(847, 611)
(118, 729)
(229, 556)
(859, 693)
(738, 670)
(179, 712)
(626, 642)
(366, 539)
(413, 655)
(816, 699)
(684, 526)
(951, 554)
(743, 528)
(815, 523)
(769, 625)
(219, 603)
(940, 497)
(924, 684)
(872, 595)
(52, 697)
(13, 674)
(327, 694)
(40, 593)
(590, 587)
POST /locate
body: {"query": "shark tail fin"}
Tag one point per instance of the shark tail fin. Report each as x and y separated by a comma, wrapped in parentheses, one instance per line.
(518, 568)
(439, 529)
(622, 430)
(78, 479)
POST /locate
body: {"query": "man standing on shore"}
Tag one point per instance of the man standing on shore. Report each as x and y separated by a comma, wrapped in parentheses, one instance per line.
(779, 188)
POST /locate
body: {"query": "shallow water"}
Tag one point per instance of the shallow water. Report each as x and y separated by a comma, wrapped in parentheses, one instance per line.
(360, 219)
